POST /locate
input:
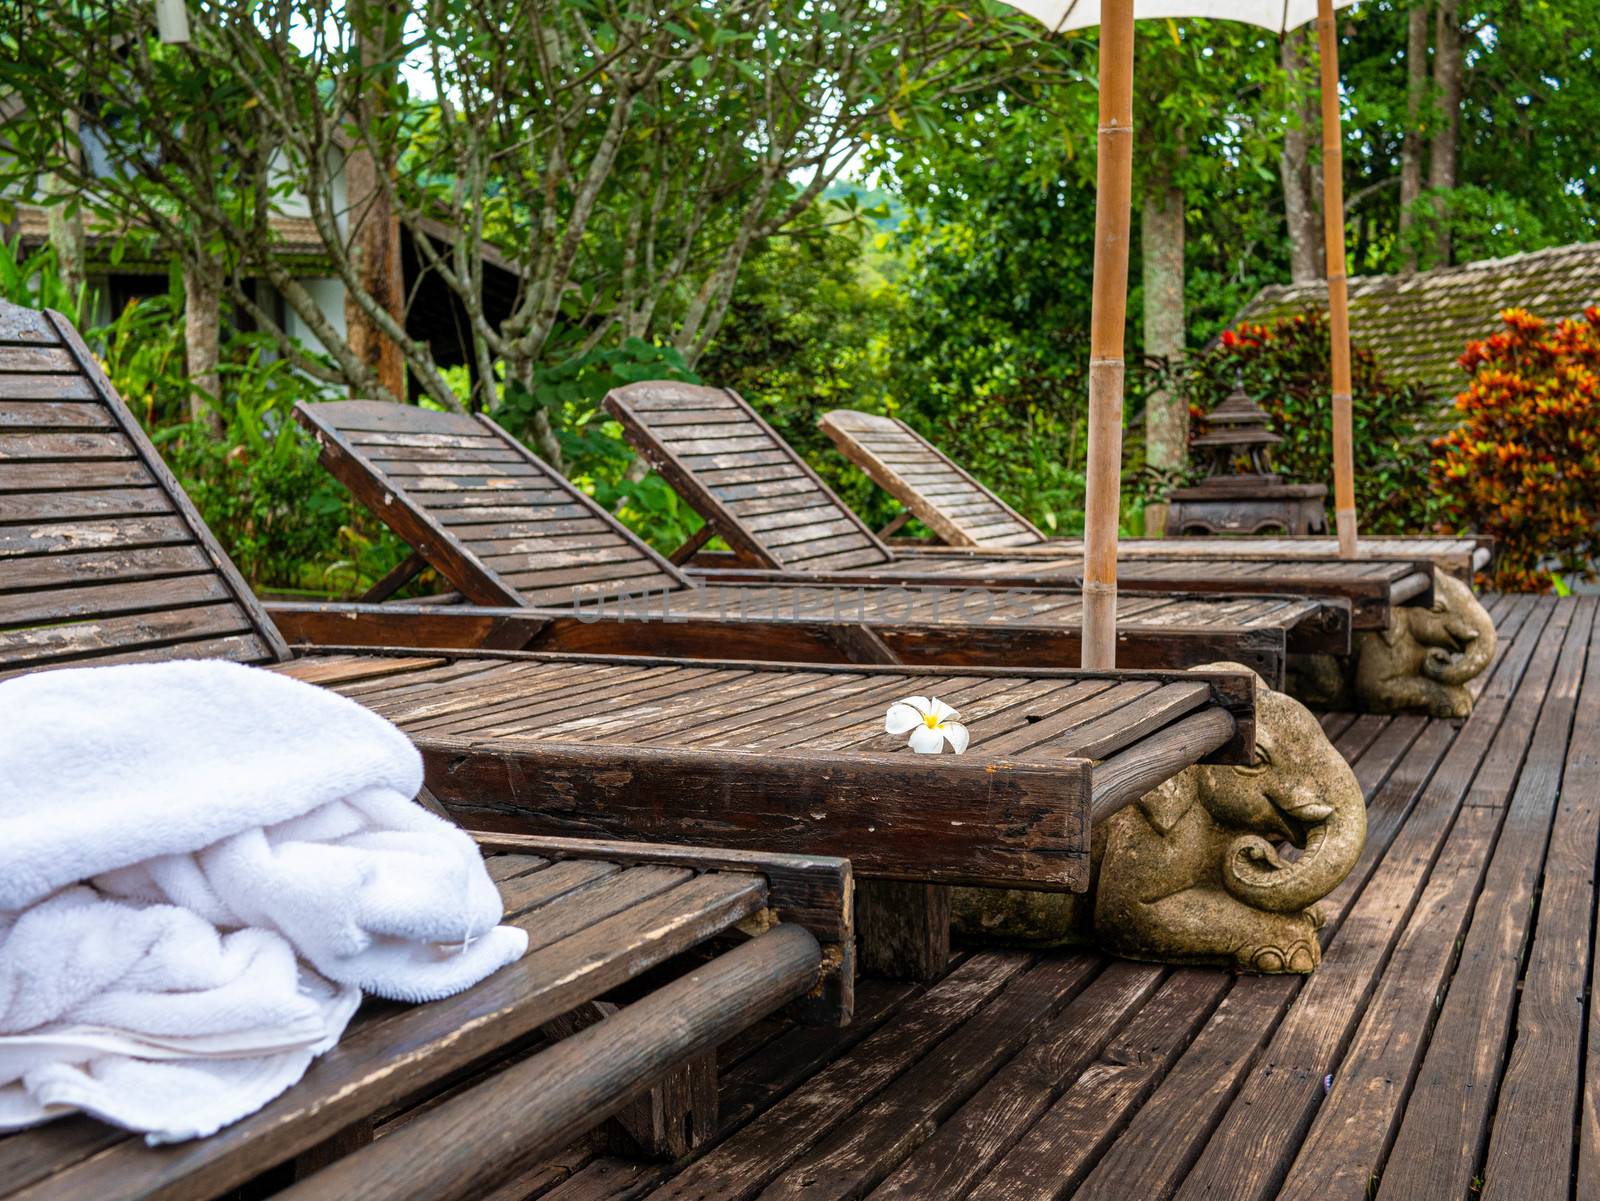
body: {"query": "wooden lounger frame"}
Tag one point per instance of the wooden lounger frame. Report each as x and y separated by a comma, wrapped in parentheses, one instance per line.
(963, 513)
(102, 590)
(966, 513)
(600, 915)
(528, 549)
(729, 472)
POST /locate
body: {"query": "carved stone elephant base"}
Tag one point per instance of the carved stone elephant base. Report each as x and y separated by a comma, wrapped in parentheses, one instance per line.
(1190, 873)
(1421, 663)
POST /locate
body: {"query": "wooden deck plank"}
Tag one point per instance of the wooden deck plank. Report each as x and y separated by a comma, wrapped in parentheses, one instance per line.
(1178, 1077)
(1442, 1135)
(744, 1163)
(1530, 1153)
(1248, 1154)
(887, 1129)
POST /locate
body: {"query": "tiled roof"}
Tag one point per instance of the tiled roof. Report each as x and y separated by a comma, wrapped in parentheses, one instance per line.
(298, 240)
(1417, 325)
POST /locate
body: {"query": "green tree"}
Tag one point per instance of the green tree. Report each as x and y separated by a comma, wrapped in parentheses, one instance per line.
(621, 163)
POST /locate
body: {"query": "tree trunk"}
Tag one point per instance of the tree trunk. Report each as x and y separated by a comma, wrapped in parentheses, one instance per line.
(1296, 167)
(1166, 415)
(202, 323)
(374, 227)
(1443, 146)
(66, 228)
(375, 249)
(1411, 144)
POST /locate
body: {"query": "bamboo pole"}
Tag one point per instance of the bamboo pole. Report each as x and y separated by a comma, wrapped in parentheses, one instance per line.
(1113, 197)
(1344, 486)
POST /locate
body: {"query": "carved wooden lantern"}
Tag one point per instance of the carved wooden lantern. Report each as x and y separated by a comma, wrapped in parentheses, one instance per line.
(1241, 493)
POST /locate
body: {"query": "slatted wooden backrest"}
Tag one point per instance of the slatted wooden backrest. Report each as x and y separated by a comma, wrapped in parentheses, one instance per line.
(761, 497)
(914, 471)
(102, 557)
(490, 516)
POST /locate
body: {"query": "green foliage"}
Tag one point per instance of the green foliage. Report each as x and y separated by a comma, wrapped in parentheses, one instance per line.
(32, 280)
(809, 330)
(283, 519)
(593, 451)
(1528, 148)
(1284, 366)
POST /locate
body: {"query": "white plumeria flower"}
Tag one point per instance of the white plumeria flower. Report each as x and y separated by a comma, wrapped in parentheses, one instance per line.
(931, 723)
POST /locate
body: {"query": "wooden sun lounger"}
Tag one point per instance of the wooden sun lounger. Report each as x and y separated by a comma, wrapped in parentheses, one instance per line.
(103, 560)
(963, 513)
(772, 755)
(599, 915)
(506, 530)
(783, 523)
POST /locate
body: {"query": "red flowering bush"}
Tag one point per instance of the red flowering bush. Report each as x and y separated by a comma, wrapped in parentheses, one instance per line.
(1285, 367)
(1524, 464)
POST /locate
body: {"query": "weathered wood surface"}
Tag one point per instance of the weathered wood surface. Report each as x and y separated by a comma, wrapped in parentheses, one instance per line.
(1372, 588)
(810, 625)
(805, 530)
(963, 513)
(492, 518)
(931, 486)
(102, 558)
(595, 923)
(760, 497)
(1444, 1049)
(602, 589)
(795, 758)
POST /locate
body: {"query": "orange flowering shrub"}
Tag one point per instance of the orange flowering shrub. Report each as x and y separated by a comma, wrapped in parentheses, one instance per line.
(1524, 464)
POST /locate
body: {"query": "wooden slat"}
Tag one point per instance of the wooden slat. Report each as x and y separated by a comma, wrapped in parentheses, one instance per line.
(25, 327)
(17, 415)
(66, 506)
(45, 387)
(57, 605)
(718, 469)
(543, 529)
(598, 945)
(90, 638)
(44, 447)
(106, 560)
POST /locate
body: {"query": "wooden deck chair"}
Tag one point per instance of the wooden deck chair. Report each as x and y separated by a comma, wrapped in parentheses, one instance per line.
(105, 560)
(599, 915)
(961, 512)
(507, 530)
(783, 523)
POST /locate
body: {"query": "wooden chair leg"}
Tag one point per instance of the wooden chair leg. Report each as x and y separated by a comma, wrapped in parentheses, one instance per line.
(893, 527)
(404, 572)
(692, 545)
(677, 1116)
(902, 930)
(674, 1118)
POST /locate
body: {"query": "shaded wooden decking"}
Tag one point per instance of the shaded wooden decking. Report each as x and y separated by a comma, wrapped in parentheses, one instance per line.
(1444, 1049)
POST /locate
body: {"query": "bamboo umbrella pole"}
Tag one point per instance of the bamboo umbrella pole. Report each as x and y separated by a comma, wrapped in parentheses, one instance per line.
(1344, 488)
(1108, 316)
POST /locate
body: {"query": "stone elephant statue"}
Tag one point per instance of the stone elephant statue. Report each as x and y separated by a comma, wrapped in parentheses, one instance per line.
(1421, 663)
(1191, 873)
(1424, 660)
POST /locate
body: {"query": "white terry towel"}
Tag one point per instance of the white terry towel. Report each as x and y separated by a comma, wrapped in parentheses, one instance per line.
(202, 867)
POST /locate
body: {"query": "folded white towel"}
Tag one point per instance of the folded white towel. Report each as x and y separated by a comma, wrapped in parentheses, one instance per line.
(254, 861)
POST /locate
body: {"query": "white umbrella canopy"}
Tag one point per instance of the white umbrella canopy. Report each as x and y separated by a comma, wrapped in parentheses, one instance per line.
(1280, 16)
(1113, 203)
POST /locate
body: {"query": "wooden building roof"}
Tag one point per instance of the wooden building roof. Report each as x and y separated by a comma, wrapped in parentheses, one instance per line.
(1417, 325)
